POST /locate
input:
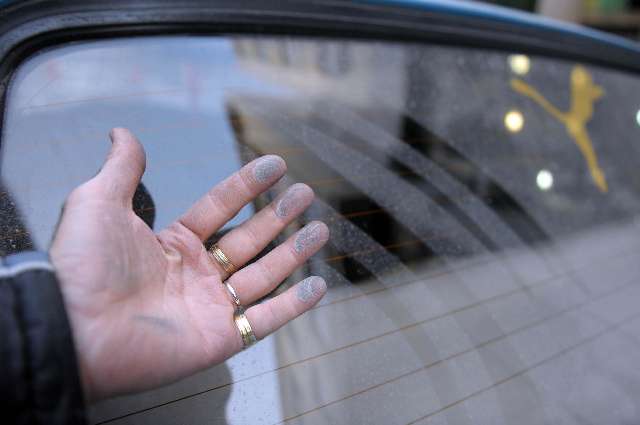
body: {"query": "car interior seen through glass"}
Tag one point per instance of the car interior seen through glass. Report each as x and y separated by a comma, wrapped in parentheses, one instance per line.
(483, 259)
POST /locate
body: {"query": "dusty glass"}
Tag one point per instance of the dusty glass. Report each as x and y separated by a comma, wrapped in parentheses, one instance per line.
(482, 206)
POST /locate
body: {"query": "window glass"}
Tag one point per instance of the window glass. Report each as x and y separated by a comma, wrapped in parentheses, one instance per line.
(482, 207)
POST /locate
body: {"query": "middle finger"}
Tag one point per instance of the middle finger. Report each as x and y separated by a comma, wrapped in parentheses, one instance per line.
(259, 278)
(247, 240)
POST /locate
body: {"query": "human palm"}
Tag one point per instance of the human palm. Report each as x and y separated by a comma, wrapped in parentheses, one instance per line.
(147, 309)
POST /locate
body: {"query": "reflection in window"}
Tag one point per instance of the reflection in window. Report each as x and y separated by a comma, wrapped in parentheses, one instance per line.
(514, 121)
(478, 272)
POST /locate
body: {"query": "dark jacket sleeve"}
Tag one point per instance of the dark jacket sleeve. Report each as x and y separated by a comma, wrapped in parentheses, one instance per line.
(39, 380)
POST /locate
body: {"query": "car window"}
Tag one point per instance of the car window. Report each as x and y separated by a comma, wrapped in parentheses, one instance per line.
(482, 265)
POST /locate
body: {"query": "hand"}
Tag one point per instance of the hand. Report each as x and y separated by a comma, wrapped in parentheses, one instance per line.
(147, 309)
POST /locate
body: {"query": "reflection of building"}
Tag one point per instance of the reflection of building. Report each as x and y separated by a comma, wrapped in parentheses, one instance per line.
(438, 297)
(353, 76)
(339, 70)
(424, 337)
(360, 94)
(349, 100)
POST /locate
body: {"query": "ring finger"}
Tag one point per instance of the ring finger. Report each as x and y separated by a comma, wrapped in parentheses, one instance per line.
(261, 277)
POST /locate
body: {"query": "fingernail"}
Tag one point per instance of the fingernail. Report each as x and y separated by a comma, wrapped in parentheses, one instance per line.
(291, 200)
(267, 168)
(308, 237)
(311, 289)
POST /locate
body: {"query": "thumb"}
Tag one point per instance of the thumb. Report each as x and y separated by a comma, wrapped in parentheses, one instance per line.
(124, 166)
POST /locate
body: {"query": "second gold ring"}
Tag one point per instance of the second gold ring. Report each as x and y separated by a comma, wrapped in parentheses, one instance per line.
(221, 258)
(244, 327)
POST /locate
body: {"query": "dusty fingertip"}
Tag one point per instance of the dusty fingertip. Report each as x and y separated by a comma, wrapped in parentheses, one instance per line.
(301, 187)
(311, 289)
(268, 168)
(311, 236)
(295, 198)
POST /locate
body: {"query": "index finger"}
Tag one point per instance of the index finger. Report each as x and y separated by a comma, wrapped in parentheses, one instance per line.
(224, 200)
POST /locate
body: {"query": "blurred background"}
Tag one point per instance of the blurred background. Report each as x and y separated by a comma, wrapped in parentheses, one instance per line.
(621, 17)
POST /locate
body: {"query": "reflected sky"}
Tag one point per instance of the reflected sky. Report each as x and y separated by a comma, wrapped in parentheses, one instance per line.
(170, 92)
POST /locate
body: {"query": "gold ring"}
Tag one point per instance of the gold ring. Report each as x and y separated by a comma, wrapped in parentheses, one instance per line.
(222, 259)
(243, 325)
(233, 293)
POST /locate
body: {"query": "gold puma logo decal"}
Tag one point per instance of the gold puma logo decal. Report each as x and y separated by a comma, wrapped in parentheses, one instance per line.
(584, 94)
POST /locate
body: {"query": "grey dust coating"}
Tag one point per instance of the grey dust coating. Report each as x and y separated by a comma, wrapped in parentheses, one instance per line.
(308, 237)
(310, 289)
(290, 201)
(267, 168)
